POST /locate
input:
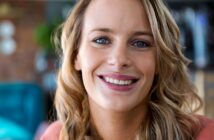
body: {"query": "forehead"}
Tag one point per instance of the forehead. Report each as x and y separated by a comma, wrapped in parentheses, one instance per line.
(116, 14)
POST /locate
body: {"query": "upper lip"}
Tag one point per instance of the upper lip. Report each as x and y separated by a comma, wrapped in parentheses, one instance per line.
(119, 76)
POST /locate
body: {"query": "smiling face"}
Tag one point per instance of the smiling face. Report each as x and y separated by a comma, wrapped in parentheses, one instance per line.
(116, 55)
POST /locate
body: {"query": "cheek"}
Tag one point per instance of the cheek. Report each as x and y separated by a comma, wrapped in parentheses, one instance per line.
(146, 64)
(90, 62)
(91, 58)
(147, 69)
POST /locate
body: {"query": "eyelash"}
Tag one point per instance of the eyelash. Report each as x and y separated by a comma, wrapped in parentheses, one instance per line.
(135, 43)
(143, 44)
(100, 40)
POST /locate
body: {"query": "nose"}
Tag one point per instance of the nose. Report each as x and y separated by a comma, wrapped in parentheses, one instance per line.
(119, 57)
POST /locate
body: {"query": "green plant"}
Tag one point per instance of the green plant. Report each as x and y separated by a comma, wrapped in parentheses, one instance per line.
(42, 35)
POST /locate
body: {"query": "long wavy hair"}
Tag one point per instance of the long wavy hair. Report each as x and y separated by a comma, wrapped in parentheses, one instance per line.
(173, 99)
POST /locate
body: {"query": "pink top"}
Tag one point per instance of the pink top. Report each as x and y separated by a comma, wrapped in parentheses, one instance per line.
(207, 130)
(206, 133)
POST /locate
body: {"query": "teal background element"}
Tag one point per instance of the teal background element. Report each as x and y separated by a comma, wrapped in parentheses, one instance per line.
(12, 131)
(22, 110)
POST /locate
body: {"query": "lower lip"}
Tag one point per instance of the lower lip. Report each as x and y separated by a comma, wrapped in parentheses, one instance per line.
(119, 88)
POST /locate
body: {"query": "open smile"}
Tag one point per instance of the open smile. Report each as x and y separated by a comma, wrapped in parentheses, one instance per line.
(119, 82)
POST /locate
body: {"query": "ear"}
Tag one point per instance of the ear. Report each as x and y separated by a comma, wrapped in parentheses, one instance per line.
(77, 64)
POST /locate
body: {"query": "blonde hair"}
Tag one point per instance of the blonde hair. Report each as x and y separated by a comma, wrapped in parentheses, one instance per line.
(172, 95)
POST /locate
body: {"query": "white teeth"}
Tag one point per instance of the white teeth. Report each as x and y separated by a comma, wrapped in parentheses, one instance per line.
(117, 82)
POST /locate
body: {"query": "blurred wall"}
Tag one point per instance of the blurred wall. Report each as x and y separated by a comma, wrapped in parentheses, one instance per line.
(25, 16)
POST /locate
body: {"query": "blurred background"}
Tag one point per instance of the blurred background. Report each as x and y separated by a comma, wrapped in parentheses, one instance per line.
(28, 62)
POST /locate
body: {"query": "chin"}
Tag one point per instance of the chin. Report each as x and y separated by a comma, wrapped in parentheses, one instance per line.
(119, 107)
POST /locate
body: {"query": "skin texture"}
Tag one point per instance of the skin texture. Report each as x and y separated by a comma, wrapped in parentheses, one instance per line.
(117, 41)
(112, 44)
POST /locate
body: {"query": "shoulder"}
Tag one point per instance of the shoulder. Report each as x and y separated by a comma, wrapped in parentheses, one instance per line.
(52, 132)
(207, 129)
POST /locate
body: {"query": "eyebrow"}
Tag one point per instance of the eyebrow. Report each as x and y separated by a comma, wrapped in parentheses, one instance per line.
(137, 33)
(147, 33)
(103, 30)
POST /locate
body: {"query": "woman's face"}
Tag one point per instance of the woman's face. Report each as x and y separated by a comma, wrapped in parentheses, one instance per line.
(116, 54)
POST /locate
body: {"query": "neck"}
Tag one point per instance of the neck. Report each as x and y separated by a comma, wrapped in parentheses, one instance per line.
(114, 125)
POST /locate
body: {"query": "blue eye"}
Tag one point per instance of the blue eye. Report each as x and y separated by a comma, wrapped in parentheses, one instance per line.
(140, 44)
(102, 40)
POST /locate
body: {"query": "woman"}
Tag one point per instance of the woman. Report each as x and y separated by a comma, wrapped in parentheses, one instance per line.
(123, 76)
